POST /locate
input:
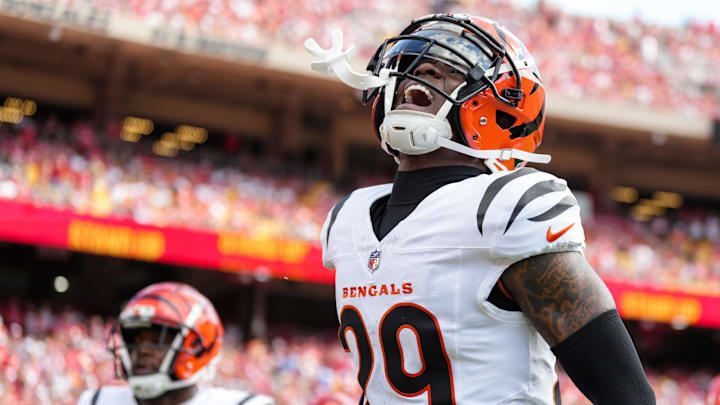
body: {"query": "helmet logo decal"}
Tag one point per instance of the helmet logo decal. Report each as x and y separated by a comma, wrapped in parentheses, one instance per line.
(139, 311)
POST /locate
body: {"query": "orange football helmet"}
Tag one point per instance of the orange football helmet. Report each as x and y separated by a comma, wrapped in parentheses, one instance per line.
(497, 114)
(191, 335)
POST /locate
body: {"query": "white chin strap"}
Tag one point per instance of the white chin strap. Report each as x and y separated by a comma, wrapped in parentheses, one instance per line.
(494, 157)
(154, 385)
(407, 131)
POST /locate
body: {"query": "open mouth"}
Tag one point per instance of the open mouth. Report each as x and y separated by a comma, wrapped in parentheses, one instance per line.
(418, 94)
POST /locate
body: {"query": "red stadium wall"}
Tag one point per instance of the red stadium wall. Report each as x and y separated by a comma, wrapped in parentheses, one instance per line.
(293, 260)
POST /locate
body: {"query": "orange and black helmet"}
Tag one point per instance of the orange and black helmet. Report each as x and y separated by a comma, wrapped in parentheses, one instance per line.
(500, 106)
(190, 335)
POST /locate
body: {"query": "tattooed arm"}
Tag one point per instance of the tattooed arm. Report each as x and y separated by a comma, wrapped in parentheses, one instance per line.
(559, 292)
(574, 312)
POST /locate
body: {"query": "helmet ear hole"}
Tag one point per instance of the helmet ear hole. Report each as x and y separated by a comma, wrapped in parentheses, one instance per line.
(504, 120)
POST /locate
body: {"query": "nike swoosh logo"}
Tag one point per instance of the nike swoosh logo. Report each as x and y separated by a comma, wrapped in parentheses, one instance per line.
(552, 237)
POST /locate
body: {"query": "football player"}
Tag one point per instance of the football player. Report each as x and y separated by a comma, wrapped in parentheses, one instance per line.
(166, 340)
(464, 280)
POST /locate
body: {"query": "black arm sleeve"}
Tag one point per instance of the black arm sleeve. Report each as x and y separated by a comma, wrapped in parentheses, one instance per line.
(602, 362)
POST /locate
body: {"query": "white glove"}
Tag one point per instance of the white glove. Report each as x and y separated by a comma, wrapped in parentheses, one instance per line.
(335, 60)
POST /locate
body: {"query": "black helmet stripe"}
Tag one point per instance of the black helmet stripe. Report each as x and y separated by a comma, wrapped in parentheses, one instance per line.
(523, 130)
(500, 33)
(165, 300)
(535, 87)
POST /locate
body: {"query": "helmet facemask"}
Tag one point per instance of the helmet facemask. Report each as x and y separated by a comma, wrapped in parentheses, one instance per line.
(450, 40)
(157, 354)
(458, 42)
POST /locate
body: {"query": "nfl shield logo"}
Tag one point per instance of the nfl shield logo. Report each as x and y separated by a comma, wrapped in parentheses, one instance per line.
(374, 261)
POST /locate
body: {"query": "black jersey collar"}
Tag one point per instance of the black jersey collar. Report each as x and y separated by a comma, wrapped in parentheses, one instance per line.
(411, 187)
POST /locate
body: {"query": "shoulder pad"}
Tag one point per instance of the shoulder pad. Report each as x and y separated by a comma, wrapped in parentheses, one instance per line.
(528, 212)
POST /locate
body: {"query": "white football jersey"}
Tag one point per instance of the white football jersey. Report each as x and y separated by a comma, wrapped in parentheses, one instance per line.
(413, 307)
(123, 395)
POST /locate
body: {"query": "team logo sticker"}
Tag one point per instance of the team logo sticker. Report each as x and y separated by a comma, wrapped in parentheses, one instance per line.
(374, 261)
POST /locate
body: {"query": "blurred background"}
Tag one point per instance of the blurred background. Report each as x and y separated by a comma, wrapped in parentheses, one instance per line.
(152, 140)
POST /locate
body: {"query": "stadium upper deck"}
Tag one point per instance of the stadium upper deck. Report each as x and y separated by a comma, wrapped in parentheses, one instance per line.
(595, 142)
(639, 63)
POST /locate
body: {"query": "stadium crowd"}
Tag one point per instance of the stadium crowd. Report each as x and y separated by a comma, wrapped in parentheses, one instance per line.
(48, 357)
(683, 254)
(69, 167)
(639, 63)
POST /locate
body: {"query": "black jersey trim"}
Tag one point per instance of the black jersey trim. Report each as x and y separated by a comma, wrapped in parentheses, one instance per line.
(562, 206)
(246, 399)
(556, 393)
(95, 396)
(536, 191)
(333, 216)
(493, 190)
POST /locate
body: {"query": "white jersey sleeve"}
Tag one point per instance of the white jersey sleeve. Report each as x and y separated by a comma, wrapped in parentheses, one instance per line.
(337, 234)
(532, 215)
(86, 397)
(325, 233)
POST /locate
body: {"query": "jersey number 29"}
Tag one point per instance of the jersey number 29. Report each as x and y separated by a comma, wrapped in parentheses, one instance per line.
(435, 376)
